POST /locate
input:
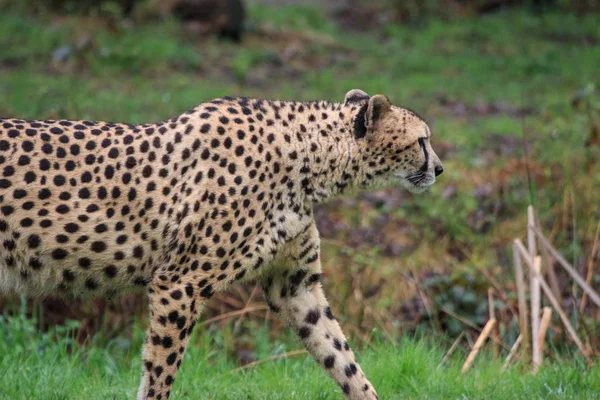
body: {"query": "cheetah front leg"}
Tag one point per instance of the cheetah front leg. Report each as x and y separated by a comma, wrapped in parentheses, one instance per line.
(298, 299)
(174, 309)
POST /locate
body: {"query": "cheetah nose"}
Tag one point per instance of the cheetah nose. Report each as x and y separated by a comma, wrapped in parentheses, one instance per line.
(438, 170)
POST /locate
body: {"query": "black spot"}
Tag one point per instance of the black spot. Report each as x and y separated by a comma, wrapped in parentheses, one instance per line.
(329, 361)
(44, 194)
(313, 316)
(62, 209)
(30, 177)
(337, 344)
(171, 358)
(173, 316)
(35, 263)
(91, 284)
(33, 241)
(68, 275)
(350, 370)
(98, 246)
(304, 332)
(71, 227)
(298, 277)
(138, 252)
(59, 180)
(346, 388)
(59, 254)
(7, 210)
(110, 271)
(19, 193)
(207, 292)
(84, 262)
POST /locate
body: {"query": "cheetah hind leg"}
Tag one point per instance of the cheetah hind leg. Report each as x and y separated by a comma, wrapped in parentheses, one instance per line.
(300, 302)
(173, 314)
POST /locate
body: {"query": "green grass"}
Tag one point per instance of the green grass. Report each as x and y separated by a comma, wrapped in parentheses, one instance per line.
(34, 365)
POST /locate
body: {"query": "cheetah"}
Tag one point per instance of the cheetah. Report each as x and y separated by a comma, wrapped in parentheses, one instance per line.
(183, 208)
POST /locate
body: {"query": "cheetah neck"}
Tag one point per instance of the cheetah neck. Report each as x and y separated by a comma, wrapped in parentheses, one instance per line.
(329, 154)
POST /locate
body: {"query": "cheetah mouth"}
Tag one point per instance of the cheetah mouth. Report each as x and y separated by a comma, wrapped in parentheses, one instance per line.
(418, 182)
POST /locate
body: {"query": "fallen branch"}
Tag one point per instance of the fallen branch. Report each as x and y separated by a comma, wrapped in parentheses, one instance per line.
(478, 344)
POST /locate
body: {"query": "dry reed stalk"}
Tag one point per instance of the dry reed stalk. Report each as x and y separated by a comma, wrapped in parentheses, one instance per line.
(478, 344)
(453, 347)
(590, 268)
(492, 313)
(244, 310)
(531, 245)
(264, 360)
(238, 323)
(523, 325)
(561, 260)
(543, 329)
(555, 303)
(461, 319)
(432, 316)
(548, 263)
(511, 353)
(469, 341)
(535, 311)
(226, 298)
(534, 285)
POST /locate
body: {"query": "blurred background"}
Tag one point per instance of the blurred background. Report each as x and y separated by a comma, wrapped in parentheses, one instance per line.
(509, 87)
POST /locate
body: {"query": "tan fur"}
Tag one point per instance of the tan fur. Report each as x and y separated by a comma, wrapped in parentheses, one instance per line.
(186, 207)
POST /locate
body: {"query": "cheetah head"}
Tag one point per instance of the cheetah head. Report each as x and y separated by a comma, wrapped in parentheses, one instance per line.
(398, 142)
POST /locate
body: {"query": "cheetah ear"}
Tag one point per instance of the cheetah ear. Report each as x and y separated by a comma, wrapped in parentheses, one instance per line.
(355, 95)
(377, 107)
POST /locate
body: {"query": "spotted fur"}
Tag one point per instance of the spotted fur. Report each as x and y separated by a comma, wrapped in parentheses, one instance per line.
(186, 207)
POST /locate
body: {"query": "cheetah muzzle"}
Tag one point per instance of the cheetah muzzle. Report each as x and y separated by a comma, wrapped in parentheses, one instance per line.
(185, 207)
